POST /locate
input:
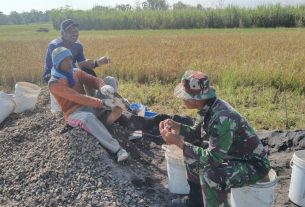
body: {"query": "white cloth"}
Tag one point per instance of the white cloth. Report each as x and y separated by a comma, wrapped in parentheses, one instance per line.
(86, 119)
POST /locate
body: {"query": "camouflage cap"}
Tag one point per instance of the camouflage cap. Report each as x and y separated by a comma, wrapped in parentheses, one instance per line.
(194, 85)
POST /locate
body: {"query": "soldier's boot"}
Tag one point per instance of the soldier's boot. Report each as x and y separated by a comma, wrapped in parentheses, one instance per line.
(193, 200)
(185, 202)
(181, 202)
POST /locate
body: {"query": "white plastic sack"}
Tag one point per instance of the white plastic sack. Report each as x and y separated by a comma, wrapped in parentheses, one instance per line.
(7, 106)
(26, 95)
(54, 105)
(176, 171)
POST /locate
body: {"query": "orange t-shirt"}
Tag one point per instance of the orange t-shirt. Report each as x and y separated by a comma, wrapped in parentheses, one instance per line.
(71, 99)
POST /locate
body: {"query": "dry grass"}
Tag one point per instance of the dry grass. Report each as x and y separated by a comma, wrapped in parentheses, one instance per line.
(268, 58)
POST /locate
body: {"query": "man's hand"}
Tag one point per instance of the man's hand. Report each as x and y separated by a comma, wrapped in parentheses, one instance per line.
(88, 63)
(102, 61)
(170, 136)
(119, 103)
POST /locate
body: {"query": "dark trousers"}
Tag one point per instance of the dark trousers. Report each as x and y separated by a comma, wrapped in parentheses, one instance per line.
(195, 196)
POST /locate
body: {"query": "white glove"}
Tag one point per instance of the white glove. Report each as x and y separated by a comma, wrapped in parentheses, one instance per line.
(115, 102)
(108, 91)
(109, 102)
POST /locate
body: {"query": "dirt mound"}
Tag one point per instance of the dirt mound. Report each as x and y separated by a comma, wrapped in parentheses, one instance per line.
(44, 163)
(281, 146)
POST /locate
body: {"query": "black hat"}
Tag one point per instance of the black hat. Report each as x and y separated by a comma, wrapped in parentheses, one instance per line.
(66, 24)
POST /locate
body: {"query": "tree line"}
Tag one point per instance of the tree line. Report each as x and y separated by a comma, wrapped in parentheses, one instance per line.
(33, 16)
(157, 14)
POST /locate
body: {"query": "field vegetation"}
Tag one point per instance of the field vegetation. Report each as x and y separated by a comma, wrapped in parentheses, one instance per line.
(158, 16)
(259, 71)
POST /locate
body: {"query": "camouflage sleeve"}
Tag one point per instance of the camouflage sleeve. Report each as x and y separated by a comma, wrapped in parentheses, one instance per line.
(192, 133)
(221, 132)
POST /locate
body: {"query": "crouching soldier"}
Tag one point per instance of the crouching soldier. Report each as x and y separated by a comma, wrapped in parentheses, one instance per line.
(233, 155)
(66, 85)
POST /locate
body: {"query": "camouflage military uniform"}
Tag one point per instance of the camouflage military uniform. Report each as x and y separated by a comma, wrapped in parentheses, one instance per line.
(234, 156)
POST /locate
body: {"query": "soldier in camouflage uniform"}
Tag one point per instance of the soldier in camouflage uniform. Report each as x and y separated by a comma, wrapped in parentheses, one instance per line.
(221, 150)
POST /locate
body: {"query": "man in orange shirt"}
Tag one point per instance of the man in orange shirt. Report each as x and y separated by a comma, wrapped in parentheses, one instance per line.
(67, 86)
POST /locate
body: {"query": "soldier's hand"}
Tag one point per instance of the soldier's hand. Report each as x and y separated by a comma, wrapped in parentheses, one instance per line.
(169, 136)
(173, 126)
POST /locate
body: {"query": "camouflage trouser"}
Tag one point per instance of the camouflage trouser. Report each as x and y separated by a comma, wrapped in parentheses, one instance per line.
(217, 182)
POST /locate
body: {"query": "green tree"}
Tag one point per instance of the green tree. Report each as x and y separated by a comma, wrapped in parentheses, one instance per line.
(3, 19)
(100, 8)
(155, 4)
(15, 18)
(124, 7)
(179, 5)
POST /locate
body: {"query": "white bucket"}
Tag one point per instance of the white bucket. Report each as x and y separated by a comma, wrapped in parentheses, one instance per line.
(297, 182)
(177, 178)
(25, 96)
(7, 106)
(54, 104)
(260, 194)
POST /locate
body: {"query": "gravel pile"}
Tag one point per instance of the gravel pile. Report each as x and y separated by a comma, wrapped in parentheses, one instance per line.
(45, 163)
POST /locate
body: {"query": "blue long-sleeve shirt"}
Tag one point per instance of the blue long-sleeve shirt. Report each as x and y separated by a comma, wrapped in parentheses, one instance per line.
(76, 49)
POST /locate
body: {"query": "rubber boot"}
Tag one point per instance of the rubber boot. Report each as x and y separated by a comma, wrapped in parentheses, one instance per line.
(194, 199)
(195, 196)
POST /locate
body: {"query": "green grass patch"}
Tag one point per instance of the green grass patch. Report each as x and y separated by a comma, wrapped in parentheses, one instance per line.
(264, 108)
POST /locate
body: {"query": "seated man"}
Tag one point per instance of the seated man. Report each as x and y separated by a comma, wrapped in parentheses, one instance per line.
(69, 39)
(233, 156)
(66, 85)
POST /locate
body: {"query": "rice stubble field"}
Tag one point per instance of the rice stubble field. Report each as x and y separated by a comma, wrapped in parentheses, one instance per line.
(259, 71)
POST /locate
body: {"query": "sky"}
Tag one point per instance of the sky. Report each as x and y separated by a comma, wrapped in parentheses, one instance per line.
(42, 5)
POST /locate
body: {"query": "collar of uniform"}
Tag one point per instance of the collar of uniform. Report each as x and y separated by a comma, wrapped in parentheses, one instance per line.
(207, 106)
